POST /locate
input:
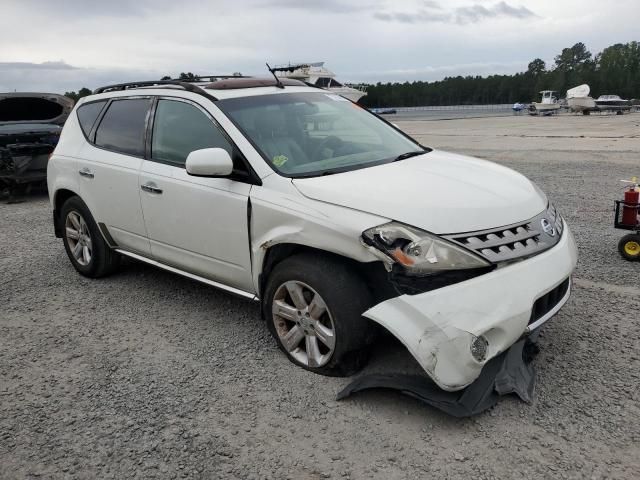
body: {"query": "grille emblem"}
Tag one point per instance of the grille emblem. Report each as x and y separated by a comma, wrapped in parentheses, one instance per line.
(547, 227)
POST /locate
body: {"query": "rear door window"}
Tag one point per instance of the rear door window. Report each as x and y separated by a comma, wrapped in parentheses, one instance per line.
(179, 129)
(123, 125)
(88, 114)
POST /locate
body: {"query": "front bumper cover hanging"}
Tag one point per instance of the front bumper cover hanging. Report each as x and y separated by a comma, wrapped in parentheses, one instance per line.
(510, 372)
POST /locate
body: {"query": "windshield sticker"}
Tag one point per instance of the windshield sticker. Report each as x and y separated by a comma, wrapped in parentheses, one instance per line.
(336, 98)
(280, 160)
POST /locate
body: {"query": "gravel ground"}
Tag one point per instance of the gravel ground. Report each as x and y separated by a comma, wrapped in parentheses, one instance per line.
(148, 375)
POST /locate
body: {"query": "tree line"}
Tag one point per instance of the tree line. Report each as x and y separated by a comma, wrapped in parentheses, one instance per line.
(615, 70)
(75, 96)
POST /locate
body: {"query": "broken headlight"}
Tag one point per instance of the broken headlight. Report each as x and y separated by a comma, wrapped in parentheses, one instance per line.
(419, 252)
(555, 217)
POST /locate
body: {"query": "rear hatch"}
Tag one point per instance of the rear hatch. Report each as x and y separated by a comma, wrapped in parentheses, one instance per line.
(30, 126)
(28, 107)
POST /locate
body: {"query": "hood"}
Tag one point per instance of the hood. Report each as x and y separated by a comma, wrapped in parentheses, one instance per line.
(30, 107)
(439, 192)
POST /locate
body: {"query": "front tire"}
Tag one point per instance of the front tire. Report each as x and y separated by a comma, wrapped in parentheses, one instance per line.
(83, 242)
(313, 305)
(629, 247)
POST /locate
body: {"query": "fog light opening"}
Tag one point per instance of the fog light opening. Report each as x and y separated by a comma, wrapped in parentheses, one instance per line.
(479, 348)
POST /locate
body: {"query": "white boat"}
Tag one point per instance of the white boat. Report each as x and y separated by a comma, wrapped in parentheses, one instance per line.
(612, 103)
(547, 106)
(579, 100)
(317, 74)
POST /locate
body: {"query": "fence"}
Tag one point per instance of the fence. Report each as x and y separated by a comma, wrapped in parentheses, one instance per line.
(453, 108)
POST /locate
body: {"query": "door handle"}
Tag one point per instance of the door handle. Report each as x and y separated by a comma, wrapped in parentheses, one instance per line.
(85, 172)
(151, 188)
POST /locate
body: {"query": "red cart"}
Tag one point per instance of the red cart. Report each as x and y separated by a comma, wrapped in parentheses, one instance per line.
(628, 218)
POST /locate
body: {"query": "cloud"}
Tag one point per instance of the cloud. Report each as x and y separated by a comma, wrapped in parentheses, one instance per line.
(477, 13)
(421, 16)
(85, 9)
(59, 76)
(123, 41)
(432, 4)
(51, 65)
(432, 12)
(323, 6)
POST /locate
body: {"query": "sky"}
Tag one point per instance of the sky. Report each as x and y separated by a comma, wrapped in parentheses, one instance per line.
(63, 45)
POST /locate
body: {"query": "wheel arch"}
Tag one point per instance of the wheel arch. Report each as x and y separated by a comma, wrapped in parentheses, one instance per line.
(59, 197)
(275, 254)
(371, 273)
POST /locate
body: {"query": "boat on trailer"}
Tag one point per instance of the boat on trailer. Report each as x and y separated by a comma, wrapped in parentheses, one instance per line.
(613, 103)
(579, 101)
(317, 74)
(548, 106)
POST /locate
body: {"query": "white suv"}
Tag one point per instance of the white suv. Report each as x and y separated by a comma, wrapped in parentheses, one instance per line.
(329, 216)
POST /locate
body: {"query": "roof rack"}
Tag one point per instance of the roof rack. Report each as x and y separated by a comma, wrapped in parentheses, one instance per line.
(210, 78)
(252, 82)
(189, 87)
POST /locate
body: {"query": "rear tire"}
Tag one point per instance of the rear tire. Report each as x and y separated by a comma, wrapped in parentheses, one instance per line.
(313, 306)
(629, 247)
(85, 246)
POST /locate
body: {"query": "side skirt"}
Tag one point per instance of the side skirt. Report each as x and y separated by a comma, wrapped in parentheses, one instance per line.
(192, 276)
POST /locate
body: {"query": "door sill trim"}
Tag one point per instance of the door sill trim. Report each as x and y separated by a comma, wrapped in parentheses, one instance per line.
(221, 286)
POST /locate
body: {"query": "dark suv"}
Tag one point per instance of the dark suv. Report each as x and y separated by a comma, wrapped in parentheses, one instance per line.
(30, 126)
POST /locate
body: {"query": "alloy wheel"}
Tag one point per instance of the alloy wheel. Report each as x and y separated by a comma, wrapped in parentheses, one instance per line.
(78, 238)
(303, 323)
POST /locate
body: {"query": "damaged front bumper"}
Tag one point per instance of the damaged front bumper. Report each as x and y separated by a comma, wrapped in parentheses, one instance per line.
(440, 327)
(511, 372)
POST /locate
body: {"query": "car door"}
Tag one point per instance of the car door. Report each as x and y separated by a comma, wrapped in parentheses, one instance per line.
(109, 166)
(196, 224)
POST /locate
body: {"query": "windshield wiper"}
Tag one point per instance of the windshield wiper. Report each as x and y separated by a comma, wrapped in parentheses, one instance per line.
(320, 173)
(406, 155)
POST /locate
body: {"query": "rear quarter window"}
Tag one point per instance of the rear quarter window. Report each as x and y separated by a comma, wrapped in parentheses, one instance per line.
(88, 114)
(123, 125)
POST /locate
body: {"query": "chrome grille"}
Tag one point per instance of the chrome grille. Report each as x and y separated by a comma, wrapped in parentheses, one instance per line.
(514, 242)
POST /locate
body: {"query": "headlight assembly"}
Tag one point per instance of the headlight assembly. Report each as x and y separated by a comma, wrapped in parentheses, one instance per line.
(555, 217)
(419, 252)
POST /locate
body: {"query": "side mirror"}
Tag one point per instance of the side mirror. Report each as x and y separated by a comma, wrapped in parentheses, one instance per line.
(209, 162)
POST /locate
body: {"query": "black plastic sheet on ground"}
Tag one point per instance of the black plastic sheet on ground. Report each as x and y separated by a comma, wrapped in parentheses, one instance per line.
(511, 372)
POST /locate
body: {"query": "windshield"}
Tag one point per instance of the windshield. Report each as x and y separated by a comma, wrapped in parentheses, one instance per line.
(310, 134)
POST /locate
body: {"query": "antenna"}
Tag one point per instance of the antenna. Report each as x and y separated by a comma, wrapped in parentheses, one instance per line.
(273, 72)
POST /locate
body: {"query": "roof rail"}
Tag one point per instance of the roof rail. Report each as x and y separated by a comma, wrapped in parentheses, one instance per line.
(189, 87)
(251, 82)
(209, 78)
